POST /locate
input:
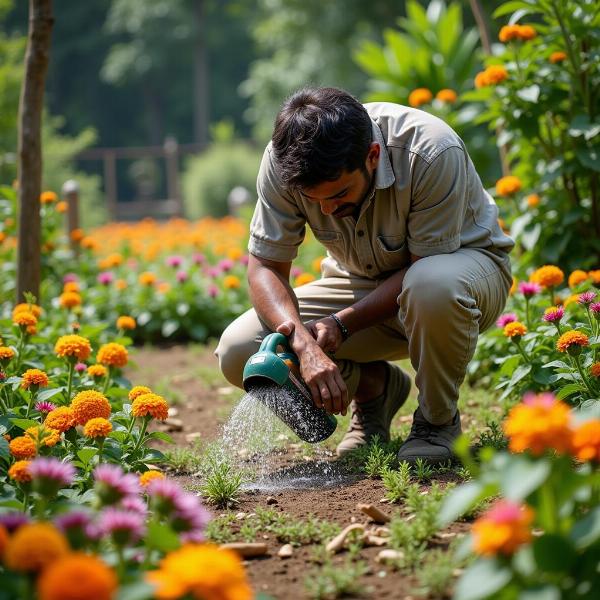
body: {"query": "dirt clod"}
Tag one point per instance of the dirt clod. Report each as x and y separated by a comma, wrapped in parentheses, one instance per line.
(247, 549)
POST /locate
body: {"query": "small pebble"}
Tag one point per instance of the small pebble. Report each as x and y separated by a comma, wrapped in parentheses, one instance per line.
(190, 437)
(240, 516)
(174, 424)
(173, 412)
(286, 551)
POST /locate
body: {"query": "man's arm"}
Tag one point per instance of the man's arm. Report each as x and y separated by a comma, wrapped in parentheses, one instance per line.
(276, 304)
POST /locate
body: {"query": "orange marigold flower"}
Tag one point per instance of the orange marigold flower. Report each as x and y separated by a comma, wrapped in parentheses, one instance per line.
(495, 74)
(61, 207)
(34, 546)
(148, 476)
(93, 579)
(69, 299)
(22, 447)
(576, 277)
(89, 243)
(481, 80)
(150, 405)
(61, 419)
(98, 371)
(572, 341)
(508, 33)
(303, 279)
(502, 529)
(138, 390)
(77, 235)
(183, 571)
(3, 540)
(234, 253)
(595, 370)
(539, 423)
(514, 329)
(586, 441)
(19, 471)
(548, 276)
(121, 284)
(34, 377)
(71, 286)
(97, 427)
(419, 96)
(48, 197)
(126, 322)
(43, 436)
(26, 307)
(316, 264)
(73, 346)
(507, 186)
(447, 95)
(513, 287)
(533, 200)
(570, 300)
(6, 353)
(527, 32)
(113, 355)
(557, 56)
(231, 282)
(25, 319)
(90, 404)
(594, 276)
(147, 278)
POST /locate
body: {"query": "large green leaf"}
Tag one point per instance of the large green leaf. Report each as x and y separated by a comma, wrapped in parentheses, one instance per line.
(586, 531)
(459, 501)
(569, 390)
(546, 592)
(482, 580)
(553, 553)
(161, 537)
(509, 7)
(521, 476)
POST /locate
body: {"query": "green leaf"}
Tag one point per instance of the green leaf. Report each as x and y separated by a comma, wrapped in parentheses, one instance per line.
(553, 553)
(47, 394)
(136, 591)
(586, 531)
(161, 435)
(24, 423)
(559, 364)
(530, 93)
(161, 537)
(582, 126)
(481, 580)
(5, 424)
(569, 390)
(459, 501)
(589, 157)
(521, 476)
(4, 449)
(86, 454)
(520, 373)
(509, 7)
(546, 592)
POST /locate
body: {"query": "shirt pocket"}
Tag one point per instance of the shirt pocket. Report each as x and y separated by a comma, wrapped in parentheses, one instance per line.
(392, 252)
(332, 240)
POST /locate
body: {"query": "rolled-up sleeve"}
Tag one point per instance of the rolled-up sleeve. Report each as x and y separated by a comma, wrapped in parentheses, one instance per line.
(439, 204)
(278, 225)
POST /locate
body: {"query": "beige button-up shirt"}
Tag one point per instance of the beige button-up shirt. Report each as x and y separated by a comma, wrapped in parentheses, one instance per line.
(428, 200)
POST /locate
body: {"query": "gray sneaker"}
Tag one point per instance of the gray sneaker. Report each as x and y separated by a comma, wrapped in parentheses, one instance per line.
(375, 417)
(431, 443)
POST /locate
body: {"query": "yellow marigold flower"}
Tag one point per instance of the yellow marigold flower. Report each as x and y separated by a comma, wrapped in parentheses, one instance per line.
(150, 405)
(527, 32)
(595, 276)
(77, 576)
(121, 284)
(34, 377)
(98, 371)
(508, 33)
(548, 276)
(502, 529)
(586, 441)
(113, 355)
(303, 279)
(569, 300)
(513, 287)
(557, 56)
(61, 207)
(316, 264)
(71, 286)
(539, 423)
(22, 447)
(419, 96)
(73, 346)
(595, 369)
(69, 299)
(24, 319)
(447, 95)
(126, 322)
(185, 571)
(34, 546)
(572, 341)
(138, 390)
(231, 282)
(163, 287)
(43, 436)
(89, 243)
(97, 427)
(25, 307)
(576, 277)
(19, 471)
(533, 200)
(61, 419)
(6, 353)
(90, 404)
(77, 235)
(147, 278)
(234, 253)
(148, 476)
(514, 329)
(507, 186)
(48, 197)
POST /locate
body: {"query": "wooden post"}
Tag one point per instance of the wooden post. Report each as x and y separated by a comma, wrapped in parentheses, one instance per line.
(110, 183)
(172, 164)
(31, 104)
(70, 191)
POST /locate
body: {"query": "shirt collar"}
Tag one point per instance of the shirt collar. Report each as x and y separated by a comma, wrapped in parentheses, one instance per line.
(384, 174)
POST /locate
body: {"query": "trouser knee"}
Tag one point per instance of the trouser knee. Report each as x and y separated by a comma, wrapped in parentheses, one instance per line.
(233, 353)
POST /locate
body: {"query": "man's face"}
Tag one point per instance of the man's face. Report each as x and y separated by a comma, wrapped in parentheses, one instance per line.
(342, 197)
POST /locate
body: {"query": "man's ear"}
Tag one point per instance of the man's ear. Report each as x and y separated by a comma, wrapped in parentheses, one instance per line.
(373, 154)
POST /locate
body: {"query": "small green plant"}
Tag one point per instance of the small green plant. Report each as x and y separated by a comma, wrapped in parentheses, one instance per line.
(220, 529)
(422, 470)
(336, 581)
(378, 459)
(222, 485)
(184, 460)
(436, 572)
(492, 437)
(396, 482)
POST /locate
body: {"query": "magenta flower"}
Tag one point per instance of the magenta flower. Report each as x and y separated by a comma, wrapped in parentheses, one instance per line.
(198, 259)
(504, 511)
(213, 271)
(112, 484)
(166, 495)
(181, 276)
(80, 367)
(295, 271)
(554, 315)
(244, 259)
(124, 527)
(586, 298)
(545, 399)
(44, 406)
(11, 521)
(174, 261)
(70, 277)
(49, 475)
(105, 278)
(505, 319)
(595, 308)
(193, 537)
(76, 519)
(213, 290)
(528, 288)
(134, 504)
(225, 265)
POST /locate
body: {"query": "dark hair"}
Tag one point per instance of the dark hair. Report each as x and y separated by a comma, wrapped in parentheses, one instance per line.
(318, 134)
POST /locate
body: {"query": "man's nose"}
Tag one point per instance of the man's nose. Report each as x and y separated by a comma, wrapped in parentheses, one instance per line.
(328, 207)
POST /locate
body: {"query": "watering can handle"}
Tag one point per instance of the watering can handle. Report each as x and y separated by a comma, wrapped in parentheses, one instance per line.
(273, 340)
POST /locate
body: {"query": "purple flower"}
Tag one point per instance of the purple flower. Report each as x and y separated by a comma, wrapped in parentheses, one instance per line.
(76, 519)
(11, 521)
(44, 406)
(213, 290)
(586, 298)
(134, 504)
(166, 495)
(595, 308)
(554, 315)
(225, 265)
(112, 484)
(80, 367)
(193, 537)
(244, 259)
(70, 277)
(50, 475)
(213, 271)
(124, 527)
(174, 261)
(189, 514)
(105, 278)
(295, 271)
(505, 319)
(181, 276)
(528, 288)
(198, 259)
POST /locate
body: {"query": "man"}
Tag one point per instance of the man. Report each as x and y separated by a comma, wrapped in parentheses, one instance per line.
(416, 263)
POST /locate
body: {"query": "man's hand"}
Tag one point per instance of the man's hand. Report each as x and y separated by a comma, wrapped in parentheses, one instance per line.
(319, 372)
(327, 333)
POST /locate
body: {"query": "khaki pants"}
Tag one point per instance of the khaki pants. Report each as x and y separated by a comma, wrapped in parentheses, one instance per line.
(446, 302)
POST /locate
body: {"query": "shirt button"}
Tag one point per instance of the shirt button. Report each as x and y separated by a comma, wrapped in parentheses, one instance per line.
(369, 267)
(360, 233)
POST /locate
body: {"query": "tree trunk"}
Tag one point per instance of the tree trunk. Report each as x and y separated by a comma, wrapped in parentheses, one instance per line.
(200, 99)
(31, 106)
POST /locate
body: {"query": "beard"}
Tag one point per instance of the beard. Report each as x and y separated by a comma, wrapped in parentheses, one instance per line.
(350, 208)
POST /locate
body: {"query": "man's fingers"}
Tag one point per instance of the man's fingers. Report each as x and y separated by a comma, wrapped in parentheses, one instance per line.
(343, 392)
(286, 328)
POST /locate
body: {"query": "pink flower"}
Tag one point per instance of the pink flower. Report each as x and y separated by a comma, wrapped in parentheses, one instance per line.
(112, 484)
(213, 290)
(49, 475)
(125, 527)
(505, 319)
(174, 261)
(528, 288)
(198, 259)
(595, 308)
(225, 265)
(69, 277)
(295, 271)
(44, 406)
(80, 367)
(134, 504)
(213, 271)
(504, 511)
(544, 400)
(554, 315)
(586, 298)
(76, 519)
(11, 521)
(105, 278)
(181, 276)
(244, 259)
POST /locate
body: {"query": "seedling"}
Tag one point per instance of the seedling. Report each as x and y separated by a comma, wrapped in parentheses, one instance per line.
(396, 482)
(378, 459)
(222, 485)
(336, 581)
(423, 471)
